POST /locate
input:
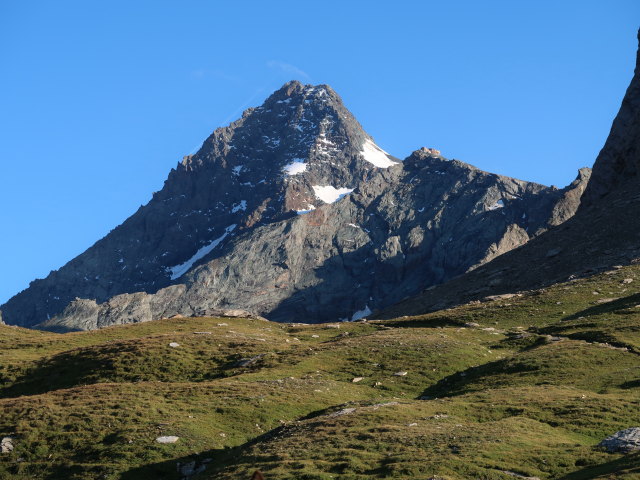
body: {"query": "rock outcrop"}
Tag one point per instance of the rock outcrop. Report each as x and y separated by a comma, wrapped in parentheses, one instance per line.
(623, 441)
(619, 159)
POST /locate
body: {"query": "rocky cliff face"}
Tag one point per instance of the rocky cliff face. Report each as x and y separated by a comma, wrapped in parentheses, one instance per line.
(619, 159)
(294, 213)
(604, 232)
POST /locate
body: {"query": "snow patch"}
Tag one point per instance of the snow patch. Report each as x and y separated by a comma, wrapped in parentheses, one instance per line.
(237, 170)
(302, 212)
(239, 206)
(330, 194)
(497, 205)
(375, 155)
(361, 313)
(181, 269)
(295, 167)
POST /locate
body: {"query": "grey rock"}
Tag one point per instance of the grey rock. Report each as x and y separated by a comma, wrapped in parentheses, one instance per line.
(167, 439)
(189, 469)
(623, 441)
(6, 444)
(518, 475)
(553, 252)
(344, 411)
(246, 362)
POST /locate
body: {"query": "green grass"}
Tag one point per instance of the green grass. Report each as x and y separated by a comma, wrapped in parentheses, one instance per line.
(527, 385)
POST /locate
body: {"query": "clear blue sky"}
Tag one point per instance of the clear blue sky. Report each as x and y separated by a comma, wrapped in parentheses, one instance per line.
(99, 100)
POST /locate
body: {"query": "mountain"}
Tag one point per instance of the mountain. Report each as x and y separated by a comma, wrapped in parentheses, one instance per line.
(238, 180)
(293, 212)
(605, 232)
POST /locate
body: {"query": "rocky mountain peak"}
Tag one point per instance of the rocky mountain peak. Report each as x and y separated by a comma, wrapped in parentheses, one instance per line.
(428, 151)
(257, 220)
(299, 150)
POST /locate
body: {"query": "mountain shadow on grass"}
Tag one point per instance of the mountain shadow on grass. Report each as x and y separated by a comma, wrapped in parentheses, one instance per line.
(65, 370)
(120, 362)
(431, 322)
(458, 383)
(177, 468)
(210, 461)
(614, 306)
(627, 465)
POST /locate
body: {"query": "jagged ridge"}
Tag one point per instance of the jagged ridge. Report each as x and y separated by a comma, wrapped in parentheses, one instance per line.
(605, 232)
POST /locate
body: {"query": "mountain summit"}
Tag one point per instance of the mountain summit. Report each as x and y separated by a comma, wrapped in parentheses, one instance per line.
(256, 220)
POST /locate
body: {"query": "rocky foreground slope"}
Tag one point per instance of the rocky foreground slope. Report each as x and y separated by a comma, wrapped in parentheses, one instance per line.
(293, 213)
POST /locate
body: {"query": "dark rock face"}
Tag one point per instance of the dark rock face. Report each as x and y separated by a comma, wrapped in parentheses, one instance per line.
(255, 221)
(619, 159)
(604, 232)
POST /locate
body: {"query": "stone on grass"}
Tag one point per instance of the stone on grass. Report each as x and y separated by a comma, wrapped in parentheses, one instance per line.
(167, 439)
(6, 445)
(190, 469)
(623, 441)
(245, 362)
(344, 411)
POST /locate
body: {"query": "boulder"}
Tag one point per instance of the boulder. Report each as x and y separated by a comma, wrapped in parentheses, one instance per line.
(623, 441)
(6, 445)
(167, 439)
